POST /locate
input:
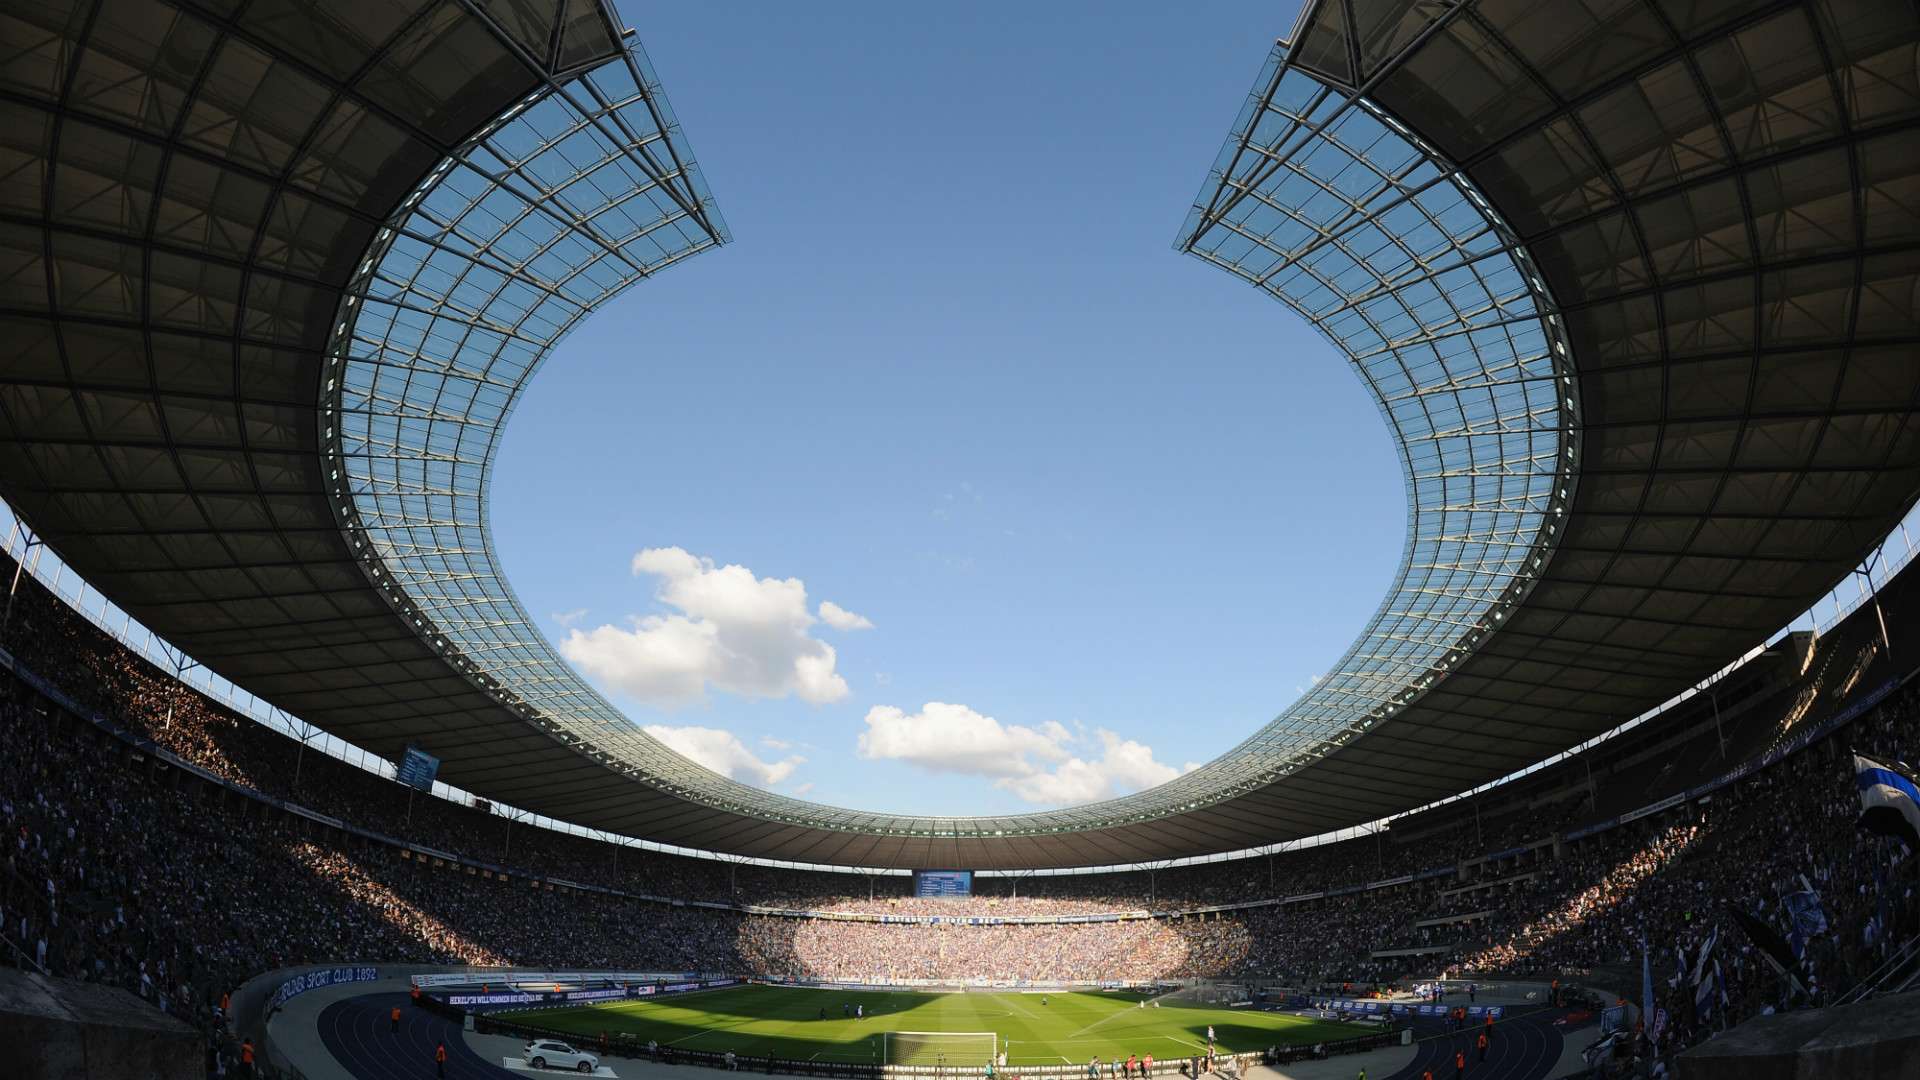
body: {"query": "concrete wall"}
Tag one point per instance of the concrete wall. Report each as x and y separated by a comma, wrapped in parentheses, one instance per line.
(1878, 1038)
(60, 1029)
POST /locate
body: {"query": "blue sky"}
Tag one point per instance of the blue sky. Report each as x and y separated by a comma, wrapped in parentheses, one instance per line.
(952, 378)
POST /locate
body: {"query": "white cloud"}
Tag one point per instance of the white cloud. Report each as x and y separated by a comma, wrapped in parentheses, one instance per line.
(1124, 765)
(568, 618)
(953, 738)
(841, 619)
(732, 631)
(1040, 765)
(724, 753)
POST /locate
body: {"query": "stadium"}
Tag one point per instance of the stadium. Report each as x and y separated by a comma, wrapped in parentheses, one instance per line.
(1612, 782)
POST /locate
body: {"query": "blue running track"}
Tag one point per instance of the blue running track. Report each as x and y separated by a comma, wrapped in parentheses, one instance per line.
(358, 1032)
(1523, 1046)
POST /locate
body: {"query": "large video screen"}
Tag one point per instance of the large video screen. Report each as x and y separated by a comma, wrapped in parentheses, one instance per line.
(418, 768)
(943, 883)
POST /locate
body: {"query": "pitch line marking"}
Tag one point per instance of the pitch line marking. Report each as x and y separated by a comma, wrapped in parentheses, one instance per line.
(704, 1031)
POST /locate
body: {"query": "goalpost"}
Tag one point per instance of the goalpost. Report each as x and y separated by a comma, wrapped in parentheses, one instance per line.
(954, 1049)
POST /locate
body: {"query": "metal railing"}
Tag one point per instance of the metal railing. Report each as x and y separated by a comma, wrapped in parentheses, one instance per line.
(1898, 972)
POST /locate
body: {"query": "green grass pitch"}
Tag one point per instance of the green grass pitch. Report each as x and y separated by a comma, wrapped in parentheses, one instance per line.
(785, 1022)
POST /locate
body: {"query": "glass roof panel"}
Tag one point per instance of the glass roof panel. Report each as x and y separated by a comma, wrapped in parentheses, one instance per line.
(1322, 200)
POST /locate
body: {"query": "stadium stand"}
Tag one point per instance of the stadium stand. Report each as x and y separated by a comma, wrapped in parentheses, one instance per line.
(142, 858)
(1636, 283)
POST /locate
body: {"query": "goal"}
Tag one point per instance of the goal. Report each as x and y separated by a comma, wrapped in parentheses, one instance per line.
(972, 1049)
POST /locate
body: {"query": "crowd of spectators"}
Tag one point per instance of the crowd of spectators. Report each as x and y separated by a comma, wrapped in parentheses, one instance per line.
(179, 891)
(179, 895)
(986, 905)
(1131, 950)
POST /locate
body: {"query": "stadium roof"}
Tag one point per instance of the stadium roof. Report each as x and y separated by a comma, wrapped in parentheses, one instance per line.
(1635, 287)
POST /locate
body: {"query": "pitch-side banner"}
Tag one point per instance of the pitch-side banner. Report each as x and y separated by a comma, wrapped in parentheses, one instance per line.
(494, 999)
(549, 980)
(314, 980)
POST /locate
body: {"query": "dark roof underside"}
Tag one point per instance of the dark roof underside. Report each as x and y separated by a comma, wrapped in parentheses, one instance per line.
(1725, 203)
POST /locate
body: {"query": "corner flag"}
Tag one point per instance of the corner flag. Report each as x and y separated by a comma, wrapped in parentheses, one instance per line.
(1889, 801)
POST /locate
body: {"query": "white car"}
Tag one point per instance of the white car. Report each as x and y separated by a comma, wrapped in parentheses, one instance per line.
(550, 1054)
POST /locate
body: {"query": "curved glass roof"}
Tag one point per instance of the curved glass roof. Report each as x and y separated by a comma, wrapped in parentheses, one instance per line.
(1334, 208)
(272, 277)
(1331, 207)
(574, 194)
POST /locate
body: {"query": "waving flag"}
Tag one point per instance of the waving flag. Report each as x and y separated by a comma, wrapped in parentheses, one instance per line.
(1773, 949)
(1889, 801)
(1805, 915)
(1706, 976)
(1646, 991)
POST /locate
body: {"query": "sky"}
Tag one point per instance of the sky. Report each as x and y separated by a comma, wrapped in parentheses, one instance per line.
(949, 487)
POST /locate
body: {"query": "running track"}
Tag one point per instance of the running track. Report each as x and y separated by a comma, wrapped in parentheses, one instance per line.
(358, 1033)
(1524, 1046)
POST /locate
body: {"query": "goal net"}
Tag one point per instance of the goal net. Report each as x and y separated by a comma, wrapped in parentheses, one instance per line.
(973, 1049)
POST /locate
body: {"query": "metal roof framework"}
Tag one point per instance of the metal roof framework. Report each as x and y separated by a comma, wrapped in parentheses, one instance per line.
(1721, 200)
(1634, 289)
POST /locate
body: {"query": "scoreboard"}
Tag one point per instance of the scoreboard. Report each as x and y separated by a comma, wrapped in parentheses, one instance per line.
(417, 769)
(945, 883)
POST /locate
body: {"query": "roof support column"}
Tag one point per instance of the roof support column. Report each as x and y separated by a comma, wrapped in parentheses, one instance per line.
(33, 547)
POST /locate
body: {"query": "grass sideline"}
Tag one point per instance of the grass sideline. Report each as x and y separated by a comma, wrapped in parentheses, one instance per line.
(784, 1021)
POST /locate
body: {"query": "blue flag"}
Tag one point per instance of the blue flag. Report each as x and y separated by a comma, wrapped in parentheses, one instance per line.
(1646, 989)
(1889, 801)
(1706, 976)
(1805, 916)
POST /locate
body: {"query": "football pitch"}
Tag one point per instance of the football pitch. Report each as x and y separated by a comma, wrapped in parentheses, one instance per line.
(1069, 1028)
